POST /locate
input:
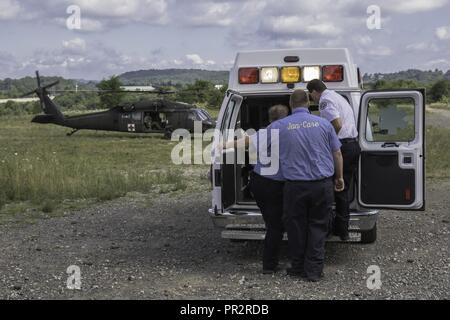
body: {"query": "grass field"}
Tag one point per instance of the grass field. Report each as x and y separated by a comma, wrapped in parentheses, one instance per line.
(42, 171)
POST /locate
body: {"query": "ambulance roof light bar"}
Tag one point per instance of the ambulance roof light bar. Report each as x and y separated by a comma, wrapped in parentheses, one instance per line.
(290, 74)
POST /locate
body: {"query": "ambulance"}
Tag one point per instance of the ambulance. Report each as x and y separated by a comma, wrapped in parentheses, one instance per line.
(391, 173)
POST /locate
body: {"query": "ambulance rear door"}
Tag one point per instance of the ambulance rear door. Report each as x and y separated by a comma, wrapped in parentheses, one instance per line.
(392, 139)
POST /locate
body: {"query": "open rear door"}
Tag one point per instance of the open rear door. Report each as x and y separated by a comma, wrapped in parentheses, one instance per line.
(224, 180)
(392, 139)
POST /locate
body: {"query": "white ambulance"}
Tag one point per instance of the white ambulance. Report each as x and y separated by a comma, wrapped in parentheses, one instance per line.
(391, 171)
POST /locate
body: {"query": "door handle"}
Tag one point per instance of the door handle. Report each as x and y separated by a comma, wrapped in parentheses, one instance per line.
(390, 145)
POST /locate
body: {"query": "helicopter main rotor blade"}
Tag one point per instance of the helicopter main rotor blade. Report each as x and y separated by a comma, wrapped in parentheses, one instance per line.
(28, 94)
(107, 91)
(51, 84)
(38, 78)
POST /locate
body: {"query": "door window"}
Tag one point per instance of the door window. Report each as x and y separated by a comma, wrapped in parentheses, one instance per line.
(391, 120)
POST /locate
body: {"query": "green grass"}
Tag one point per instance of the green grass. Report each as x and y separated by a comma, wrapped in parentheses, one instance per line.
(46, 171)
(437, 152)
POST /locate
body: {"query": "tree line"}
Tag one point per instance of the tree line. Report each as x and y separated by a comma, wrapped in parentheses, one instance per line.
(437, 91)
(202, 93)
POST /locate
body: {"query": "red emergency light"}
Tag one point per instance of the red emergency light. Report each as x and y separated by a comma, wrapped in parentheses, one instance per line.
(333, 73)
(248, 75)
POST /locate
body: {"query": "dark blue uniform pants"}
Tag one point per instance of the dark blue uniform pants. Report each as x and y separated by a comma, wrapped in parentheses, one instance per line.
(268, 194)
(350, 154)
(307, 212)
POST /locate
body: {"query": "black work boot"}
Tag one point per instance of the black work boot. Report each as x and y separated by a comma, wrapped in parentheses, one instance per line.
(341, 230)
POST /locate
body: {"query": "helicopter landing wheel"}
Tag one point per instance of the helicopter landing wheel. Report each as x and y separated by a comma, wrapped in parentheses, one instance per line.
(72, 132)
(168, 134)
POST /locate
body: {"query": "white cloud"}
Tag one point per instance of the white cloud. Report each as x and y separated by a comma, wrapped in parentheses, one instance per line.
(91, 25)
(443, 33)
(413, 6)
(293, 43)
(8, 65)
(76, 45)
(422, 46)
(96, 15)
(363, 40)
(380, 51)
(210, 14)
(289, 25)
(442, 63)
(9, 9)
(130, 9)
(194, 58)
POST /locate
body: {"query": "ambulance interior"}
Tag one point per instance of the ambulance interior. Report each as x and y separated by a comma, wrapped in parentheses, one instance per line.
(254, 114)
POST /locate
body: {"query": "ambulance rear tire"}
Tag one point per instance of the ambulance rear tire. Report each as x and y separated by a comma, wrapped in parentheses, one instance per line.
(369, 236)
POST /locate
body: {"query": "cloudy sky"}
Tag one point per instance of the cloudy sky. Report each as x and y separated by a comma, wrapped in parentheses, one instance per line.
(115, 36)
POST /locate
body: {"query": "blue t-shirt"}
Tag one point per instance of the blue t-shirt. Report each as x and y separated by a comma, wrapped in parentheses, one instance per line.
(306, 146)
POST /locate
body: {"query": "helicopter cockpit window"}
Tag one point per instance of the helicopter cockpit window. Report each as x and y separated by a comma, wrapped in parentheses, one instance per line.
(128, 107)
(192, 116)
(201, 116)
(205, 113)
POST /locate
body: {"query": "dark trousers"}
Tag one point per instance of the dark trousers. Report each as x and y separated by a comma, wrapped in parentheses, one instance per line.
(307, 212)
(268, 194)
(350, 154)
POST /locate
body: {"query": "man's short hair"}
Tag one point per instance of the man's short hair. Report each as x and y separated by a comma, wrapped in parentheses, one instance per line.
(278, 112)
(316, 85)
(299, 98)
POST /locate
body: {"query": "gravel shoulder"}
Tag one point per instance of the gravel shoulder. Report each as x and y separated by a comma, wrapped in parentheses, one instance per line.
(128, 249)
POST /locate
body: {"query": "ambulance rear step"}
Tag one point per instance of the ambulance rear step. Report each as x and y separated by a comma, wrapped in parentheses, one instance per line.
(257, 232)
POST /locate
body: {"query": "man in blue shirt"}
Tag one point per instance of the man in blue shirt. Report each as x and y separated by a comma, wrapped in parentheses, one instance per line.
(309, 153)
(266, 184)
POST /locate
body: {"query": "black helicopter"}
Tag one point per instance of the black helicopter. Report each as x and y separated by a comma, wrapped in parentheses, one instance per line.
(153, 116)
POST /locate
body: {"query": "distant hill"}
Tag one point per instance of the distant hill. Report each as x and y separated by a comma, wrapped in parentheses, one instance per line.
(420, 76)
(16, 87)
(173, 77)
(178, 77)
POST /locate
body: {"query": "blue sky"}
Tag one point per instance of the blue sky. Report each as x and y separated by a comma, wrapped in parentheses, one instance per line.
(124, 35)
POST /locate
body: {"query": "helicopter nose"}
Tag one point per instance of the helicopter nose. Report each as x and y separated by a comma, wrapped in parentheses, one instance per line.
(208, 124)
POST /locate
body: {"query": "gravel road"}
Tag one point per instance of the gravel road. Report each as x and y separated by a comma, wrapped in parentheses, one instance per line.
(170, 250)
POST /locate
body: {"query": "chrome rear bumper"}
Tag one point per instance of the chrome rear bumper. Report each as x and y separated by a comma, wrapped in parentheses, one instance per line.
(249, 225)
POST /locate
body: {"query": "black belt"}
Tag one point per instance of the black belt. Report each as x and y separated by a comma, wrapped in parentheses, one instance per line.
(348, 140)
(310, 181)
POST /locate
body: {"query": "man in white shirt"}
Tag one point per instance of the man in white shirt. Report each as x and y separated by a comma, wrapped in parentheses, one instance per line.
(336, 109)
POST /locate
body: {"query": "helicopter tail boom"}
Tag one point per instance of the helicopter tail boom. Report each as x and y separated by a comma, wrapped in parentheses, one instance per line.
(44, 119)
(51, 110)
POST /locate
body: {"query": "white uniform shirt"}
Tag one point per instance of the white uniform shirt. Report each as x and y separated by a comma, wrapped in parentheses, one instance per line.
(332, 106)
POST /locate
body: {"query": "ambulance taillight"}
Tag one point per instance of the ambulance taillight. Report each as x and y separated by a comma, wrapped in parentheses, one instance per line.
(333, 73)
(248, 75)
